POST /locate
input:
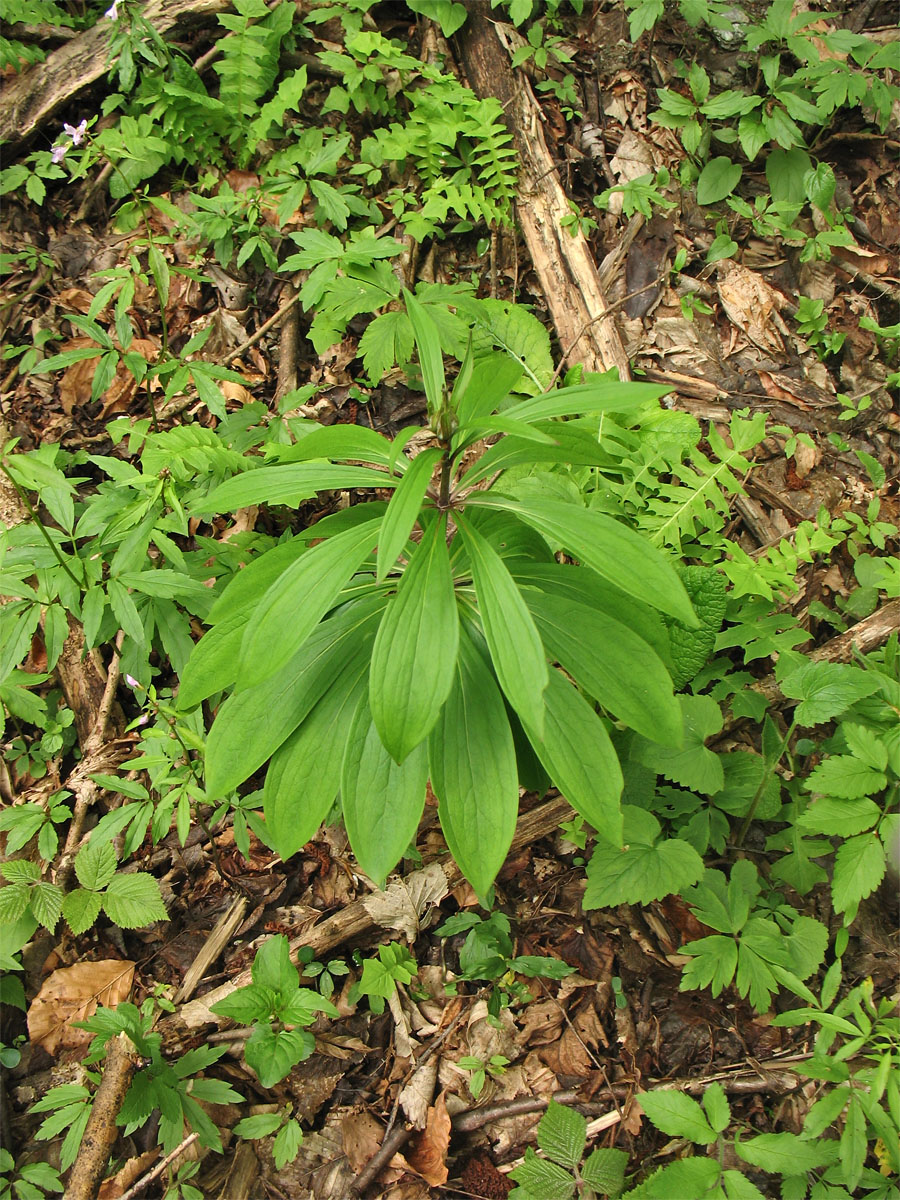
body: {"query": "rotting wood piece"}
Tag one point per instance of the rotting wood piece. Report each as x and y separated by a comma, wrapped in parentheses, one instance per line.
(33, 96)
(354, 921)
(563, 261)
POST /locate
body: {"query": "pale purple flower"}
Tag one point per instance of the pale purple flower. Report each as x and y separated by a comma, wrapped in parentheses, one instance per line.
(76, 132)
(131, 681)
(113, 11)
(58, 153)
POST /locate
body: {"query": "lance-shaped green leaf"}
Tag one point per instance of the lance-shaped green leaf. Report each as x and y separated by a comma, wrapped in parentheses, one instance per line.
(428, 342)
(249, 585)
(382, 800)
(493, 378)
(404, 508)
(213, 664)
(300, 597)
(415, 649)
(608, 547)
(288, 483)
(304, 776)
(512, 637)
(340, 441)
(614, 665)
(252, 724)
(472, 760)
(605, 395)
(580, 759)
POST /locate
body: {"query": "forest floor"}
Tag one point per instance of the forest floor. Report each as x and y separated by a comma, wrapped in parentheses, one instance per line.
(388, 1088)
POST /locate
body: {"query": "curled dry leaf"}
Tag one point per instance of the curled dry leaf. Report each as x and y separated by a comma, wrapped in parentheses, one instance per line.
(427, 1151)
(74, 994)
(403, 905)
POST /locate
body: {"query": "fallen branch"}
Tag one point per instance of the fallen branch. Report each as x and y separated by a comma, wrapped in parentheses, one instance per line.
(101, 1132)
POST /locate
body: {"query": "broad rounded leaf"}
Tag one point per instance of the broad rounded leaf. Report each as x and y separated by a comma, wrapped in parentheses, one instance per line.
(644, 869)
(718, 179)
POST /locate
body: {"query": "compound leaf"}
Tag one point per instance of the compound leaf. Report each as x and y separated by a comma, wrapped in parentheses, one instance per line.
(644, 869)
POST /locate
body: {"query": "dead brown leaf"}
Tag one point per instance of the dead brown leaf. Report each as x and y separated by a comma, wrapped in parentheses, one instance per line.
(73, 994)
(427, 1150)
(131, 1170)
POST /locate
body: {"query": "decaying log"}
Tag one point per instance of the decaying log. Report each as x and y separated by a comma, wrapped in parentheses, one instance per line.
(562, 260)
(33, 96)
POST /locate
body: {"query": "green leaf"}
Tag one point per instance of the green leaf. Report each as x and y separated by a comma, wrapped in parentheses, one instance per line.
(259, 1126)
(693, 766)
(839, 817)
(826, 689)
(844, 776)
(604, 1171)
(608, 547)
(133, 901)
(615, 666)
(713, 964)
(677, 1115)
(578, 755)
(288, 483)
(692, 648)
(561, 1134)
(293, 606)
(692, 1177)
(739, 1187)
(15, 899)
(287, 1144)
(645, 869)
(273, 1055)
(472, 761)
(46, 904)
(717, 1108)
(786, 1153)
(415, 648)
(404, 508)
(272, 966)
(252, 724)
(859, 867)
(493, 378)
(95, 865)
(512, 637)
(382, 801)
(718, 179)
(81, 909)
(428, 342)
(543, 1179)
(214, 661)
(249, 585)
(304, 775)
(247, 1005)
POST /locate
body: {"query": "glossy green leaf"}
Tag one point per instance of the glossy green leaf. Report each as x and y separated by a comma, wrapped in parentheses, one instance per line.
(288, 483)
(428, 342)
(252, 724)
(304, 775)
(251, 583)
(382, 800)
(342, 442)
(604, 395)
(509, 629)
(614, 665)
(579, 758)
(472, 761)
(415, 649)
(299, 598)
(493, 378)
(608, 547)
(213, 664)
(404, 508)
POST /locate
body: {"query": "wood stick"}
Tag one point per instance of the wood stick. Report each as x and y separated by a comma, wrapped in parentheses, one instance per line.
(101, 1132)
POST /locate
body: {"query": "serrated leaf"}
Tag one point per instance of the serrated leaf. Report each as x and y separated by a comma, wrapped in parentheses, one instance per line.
(739, 1187)
(786, 1153)
(712, 964)
(258, 1126)
(472, 761)
(561, 1134)
(677, 1115)
(287, 1144)
(718, 1111)
(273, 1055)
(46, 904)
(693, 1177)
(509, 629)
(81, 909)
(644, 869)
(692, 766)
(604, 1170)
(14, 901)
(415, 649)
(845, 776)
(858, 870)
(543, 1179)
(692, 648)
(826, 689)
(382, 801)
(247, 1005)
(133, 901)
(839, 817)
(95, 865)
(404, 508)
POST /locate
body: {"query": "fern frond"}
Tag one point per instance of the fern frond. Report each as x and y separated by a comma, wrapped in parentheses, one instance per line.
(249, 61)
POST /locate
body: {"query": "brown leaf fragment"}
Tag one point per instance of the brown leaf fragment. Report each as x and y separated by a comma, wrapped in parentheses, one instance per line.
(73, 994)
(427, 1151)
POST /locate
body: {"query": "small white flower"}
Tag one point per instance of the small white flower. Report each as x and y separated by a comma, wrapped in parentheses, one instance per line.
(58, 153)
(113, 12)
(76, 132)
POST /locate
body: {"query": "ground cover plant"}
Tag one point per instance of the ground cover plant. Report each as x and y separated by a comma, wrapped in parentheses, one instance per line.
(434, 762)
